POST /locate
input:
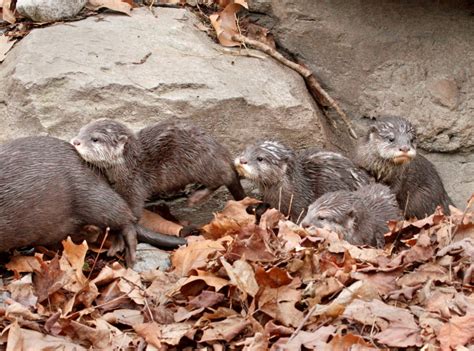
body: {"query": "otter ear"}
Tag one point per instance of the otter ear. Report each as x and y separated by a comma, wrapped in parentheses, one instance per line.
(123, 139)
(373, 129)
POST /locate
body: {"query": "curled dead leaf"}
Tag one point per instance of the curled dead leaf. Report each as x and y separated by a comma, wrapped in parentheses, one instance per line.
(225, 24)
(122, 6)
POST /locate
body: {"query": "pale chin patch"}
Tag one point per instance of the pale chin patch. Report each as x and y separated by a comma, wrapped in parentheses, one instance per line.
(403, 157)
(242, 170)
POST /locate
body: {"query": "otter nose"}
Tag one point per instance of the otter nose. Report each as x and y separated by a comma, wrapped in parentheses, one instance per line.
(76, 142)
(305, 225)
(243, 161)
(404, 148)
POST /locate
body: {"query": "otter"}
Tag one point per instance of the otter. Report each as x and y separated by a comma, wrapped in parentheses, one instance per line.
(48, 192)
(360, 216)
(161, 159)
(388, 152)
(290, 181)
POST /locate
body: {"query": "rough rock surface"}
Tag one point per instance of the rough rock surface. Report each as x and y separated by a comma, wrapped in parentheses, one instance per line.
(145, 68)
(414, 59)
(150, 258)
(49, 10)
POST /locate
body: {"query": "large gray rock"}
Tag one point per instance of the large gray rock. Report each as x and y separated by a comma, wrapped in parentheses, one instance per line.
(414, 59)
(143, 69)
(49, 10)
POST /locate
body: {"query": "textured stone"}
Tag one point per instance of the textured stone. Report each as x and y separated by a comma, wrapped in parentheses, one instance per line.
(150, 258)
(143, 69)
(414, 59)
(49, 10)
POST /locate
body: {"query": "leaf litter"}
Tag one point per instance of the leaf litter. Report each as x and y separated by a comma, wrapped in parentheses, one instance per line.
(248, 286)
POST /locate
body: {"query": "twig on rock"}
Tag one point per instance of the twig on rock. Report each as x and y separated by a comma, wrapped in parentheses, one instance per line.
(319, 94)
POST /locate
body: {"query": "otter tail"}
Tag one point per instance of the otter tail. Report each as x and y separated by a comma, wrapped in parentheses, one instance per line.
(159, 240)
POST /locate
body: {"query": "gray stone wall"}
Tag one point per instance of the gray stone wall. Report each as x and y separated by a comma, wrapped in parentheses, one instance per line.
(409, 58)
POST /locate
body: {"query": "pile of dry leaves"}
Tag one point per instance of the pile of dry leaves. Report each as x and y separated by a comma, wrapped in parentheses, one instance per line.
(253, 286)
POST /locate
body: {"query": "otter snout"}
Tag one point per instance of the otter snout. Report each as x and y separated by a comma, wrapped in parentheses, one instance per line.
(243, 161)
(404, 148)
(305, 225)
(75, 142)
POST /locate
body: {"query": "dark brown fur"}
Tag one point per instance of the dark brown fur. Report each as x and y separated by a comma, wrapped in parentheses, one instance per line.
(161, 159)
(360, 217)
(300, 177)
(47, 192)
(388, 152)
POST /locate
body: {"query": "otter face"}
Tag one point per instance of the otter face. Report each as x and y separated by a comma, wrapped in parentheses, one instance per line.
(264, 163)
(102, 142)
(333, 212)
(394, 138)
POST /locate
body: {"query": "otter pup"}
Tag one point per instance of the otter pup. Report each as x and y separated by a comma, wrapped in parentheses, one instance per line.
(48, 192)
(287, 177)
(388, 152)
(161, 159)
(360, 216)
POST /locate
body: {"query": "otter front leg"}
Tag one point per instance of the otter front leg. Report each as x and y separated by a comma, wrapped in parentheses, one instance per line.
(200, 196)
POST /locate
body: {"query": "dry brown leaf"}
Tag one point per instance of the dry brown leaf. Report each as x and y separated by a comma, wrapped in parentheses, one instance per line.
(241, 274)
(49, 279)
(350, 342)
(273, 329)
(397, 325)
(24, 339)
(124, 316)
(384, 282)
(8, 12)
(456, 332)
(151, 332)
(274, 278)
(122, 6)
(119, 340)
(72, 262)
(172, 333)
(427, 271)
(288, 232)
(258, 342)
(94, 338)
(206, 299)
(129, 281)
(225, 24)
(22, 291)
(182, 314)
(316, 340)
(24, 264)
(337, 306)
(280, 304)
(225, 330)
(254, 244)
(230, 219)
(193, 285)
(16, 311)
(111, 297)
(195, 255)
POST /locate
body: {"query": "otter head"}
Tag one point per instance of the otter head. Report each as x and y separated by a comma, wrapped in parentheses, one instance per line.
(103, 142)
(394, 139)
(265, 163)
(335, 212)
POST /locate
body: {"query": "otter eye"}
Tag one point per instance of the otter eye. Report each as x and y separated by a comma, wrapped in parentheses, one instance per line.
(391, 139)
(94, 140)
(259, 159)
